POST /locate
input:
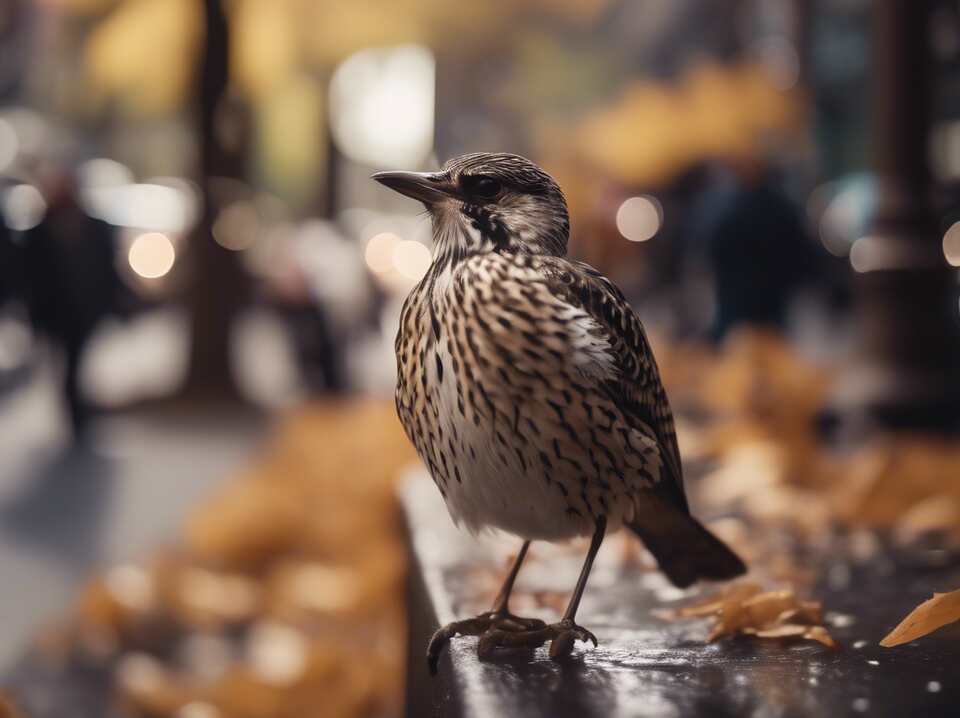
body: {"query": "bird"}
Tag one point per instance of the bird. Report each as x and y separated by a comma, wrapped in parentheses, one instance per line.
(527, 385)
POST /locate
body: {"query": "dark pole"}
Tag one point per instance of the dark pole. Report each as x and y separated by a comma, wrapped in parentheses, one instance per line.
(218, 285)
(906, 373)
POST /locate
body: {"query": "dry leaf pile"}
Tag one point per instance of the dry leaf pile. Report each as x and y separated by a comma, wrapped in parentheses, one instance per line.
(746, 609)
(909, 485)
(762, 400)
(287, 591)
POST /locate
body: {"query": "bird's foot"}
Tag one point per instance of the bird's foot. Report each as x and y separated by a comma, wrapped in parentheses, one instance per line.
(498, 621)
(561, 635)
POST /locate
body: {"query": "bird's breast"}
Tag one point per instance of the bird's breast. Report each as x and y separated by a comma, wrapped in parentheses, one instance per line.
(496, 391)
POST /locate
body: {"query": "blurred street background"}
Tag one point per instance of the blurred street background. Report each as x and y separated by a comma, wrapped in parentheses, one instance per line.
(200, 288)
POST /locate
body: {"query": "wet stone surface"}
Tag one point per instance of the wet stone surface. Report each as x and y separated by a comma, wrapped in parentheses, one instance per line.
(647, 667)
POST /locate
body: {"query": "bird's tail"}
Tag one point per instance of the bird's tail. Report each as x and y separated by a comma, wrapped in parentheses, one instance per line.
(684, 549)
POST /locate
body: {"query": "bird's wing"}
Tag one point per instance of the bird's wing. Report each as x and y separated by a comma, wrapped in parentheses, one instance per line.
(632, 379)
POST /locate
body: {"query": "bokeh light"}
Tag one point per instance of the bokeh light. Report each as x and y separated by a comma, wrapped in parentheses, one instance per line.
(237, 227)
(951, 245)
(639, 218)
(23, 207)
(276, 653)
(162, 206)
(102, 173)
(842, 211)
(151, 255)
(411, 259)
(397, 263)
(839, 224)
(379, 252)
(861, 255)
(382, 106)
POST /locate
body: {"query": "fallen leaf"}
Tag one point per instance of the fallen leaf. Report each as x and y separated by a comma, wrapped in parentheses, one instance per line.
(786, 631)
(821, 634)
(937, 514)
(745, 609)
(796, 630)
(710, 605)
(926, 618)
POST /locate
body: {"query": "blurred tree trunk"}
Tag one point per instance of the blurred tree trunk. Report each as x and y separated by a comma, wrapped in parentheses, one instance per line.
(908, 372)
(218, 286)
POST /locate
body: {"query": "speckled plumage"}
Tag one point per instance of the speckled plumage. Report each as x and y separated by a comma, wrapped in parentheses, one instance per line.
(526, 383)
(512, 402)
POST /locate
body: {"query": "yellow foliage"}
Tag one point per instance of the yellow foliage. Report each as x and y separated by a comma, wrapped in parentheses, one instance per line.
(144, 53)
(654, 131)
(743, 608)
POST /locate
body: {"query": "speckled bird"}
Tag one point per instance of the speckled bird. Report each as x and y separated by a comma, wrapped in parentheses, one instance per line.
(529, 389)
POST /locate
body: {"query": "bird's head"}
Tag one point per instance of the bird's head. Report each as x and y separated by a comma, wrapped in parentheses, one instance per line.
(486, 202)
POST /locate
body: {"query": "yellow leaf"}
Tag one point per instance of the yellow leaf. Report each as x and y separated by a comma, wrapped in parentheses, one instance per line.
(787, 630)
(926, 618)
(743, 609)
(821, 634)
(734, 594)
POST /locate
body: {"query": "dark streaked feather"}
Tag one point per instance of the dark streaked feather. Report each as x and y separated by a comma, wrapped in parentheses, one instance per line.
(684, 549)
(636, 389)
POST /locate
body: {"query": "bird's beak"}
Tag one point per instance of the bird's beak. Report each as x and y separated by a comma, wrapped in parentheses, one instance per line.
(428, 187)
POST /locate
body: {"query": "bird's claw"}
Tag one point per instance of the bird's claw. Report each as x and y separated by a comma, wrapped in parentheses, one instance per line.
(562, 636)
(482, 625)
(568, 633)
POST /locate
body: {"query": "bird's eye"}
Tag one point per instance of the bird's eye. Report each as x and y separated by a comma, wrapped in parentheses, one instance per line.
(481, 186)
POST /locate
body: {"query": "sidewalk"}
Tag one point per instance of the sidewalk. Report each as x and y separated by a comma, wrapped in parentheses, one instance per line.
(66, 511)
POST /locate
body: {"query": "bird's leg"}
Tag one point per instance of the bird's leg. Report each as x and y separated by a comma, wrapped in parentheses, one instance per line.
(563, 634)
(567, 630)
(497, 618)
(499, 613)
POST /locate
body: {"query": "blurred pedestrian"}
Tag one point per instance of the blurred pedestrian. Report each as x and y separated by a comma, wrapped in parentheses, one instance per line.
(757, 249)
(71, 283)
(318, 350)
